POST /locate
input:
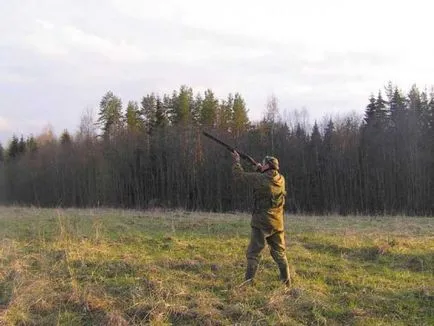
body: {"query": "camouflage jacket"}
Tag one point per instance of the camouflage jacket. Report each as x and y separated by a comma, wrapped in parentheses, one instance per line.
(269, 197)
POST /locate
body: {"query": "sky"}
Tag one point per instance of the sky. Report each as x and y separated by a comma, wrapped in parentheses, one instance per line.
(59, 57)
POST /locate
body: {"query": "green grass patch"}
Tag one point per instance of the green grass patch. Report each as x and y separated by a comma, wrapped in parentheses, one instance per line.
(127, 267)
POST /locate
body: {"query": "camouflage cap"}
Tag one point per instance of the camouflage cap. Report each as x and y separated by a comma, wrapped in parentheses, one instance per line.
(272, 161)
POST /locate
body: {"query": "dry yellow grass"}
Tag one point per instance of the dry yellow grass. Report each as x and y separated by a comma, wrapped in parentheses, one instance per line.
(118, 267)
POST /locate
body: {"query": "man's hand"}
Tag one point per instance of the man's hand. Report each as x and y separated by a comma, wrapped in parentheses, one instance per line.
(236, 157)
(259, 167)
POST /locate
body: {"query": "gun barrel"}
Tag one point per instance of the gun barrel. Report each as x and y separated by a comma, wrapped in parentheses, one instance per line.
(230, 148)
(219, 141)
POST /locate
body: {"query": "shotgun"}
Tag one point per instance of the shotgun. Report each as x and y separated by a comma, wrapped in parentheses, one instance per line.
(232, 149)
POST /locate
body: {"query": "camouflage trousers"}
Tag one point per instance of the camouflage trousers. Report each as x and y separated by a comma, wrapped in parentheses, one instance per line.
(276, 242)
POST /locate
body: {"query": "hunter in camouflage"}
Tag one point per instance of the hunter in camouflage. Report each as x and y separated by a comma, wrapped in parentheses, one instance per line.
(267, 218)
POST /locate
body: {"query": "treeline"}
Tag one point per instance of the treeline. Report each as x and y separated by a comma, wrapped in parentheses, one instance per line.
(152, 154)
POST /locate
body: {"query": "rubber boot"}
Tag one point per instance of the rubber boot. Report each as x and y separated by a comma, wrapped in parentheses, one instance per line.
(252, 267)
(285, 277)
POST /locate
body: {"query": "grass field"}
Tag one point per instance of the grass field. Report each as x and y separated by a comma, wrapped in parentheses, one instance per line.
(117, 267)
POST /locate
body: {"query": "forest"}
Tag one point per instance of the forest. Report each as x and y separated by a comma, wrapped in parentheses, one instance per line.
(151, 153)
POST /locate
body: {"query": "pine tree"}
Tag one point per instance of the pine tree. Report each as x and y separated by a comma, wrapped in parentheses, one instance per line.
(224, 113)
(161, 119)
(424, 117)
(314, 150)
(431, 132)
(208, 114)
(300, 133)
(381, 111)
(397, 107)
(110, 114)
(328, 134)
(31, 144)
(376, 114)
(329, 181)
(148, 111)
(370, 112)
(414, 101)
(65, 138)
(431, 111)
(13, 148)
(431, 144)
(240, 120)
(2, 154)
(182, 105)
(133, 117)
(372, 153)
(21, 146)
(315, 139)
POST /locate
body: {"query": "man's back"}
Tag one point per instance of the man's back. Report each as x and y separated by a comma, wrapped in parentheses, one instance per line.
(269, 197)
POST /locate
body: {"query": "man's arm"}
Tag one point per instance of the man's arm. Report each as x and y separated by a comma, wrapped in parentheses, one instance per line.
(251, 178)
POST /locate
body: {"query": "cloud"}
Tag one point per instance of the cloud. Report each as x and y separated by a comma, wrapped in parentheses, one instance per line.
(20, 127)
(5, 125)
(45, 24)
(332, 25)
(63, 40)
(58, 58)
(14, 78)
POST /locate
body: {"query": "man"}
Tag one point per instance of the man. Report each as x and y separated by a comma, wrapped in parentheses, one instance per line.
(267, 219)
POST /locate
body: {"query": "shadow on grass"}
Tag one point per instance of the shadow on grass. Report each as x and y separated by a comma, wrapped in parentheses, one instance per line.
(6, 289)
(103, 268)
(66, 313)
(378, 254)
